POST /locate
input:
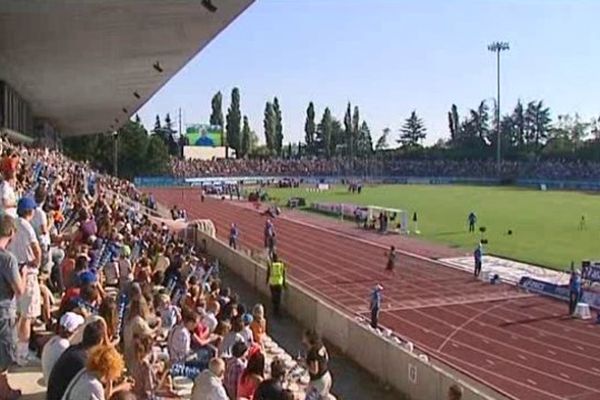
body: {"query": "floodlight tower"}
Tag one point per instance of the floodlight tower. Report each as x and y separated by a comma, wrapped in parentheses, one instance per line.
(498, 47)
(115, 136)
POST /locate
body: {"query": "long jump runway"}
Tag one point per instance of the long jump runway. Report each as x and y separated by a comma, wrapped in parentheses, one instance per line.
(522, 345)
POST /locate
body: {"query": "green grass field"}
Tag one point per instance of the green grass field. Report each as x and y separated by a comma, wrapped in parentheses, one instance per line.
(545, 225)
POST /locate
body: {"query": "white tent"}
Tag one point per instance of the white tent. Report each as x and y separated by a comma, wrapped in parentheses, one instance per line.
(397, 219)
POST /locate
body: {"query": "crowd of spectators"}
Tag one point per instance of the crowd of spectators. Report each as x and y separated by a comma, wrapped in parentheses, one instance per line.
(128, 303)
(550, 170)
(277, 167)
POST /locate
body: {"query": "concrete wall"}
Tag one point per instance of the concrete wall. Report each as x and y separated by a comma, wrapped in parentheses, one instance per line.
(385, 359)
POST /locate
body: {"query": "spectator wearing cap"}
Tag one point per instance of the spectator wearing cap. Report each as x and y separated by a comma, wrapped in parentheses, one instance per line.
(89, 296)
(234, 368)
(12, 283)
(8, 195)
(375, 305)
(58, 343)
(26, 248)
(74, 359)
(72, 296)
(246, 331)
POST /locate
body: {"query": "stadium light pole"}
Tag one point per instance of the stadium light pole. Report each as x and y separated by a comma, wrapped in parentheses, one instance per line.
(115, 136)
(498, 47)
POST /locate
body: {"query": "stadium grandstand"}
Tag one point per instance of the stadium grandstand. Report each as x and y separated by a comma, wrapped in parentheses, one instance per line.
(94, 281)
(121, 289)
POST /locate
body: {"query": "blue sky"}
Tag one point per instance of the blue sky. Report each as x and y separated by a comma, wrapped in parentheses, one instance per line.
(390, 57)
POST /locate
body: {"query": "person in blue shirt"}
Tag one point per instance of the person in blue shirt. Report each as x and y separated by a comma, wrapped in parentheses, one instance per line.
(478, 255)
(472, 218)
(375, 305)
(204, 140)
(233, 236)
(574, 289)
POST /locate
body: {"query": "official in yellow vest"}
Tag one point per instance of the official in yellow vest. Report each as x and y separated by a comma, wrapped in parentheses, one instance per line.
(276, 281)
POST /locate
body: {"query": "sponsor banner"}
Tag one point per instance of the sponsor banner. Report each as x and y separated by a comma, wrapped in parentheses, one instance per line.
(347, 210)
(392, 179)
(141, 181)
(591, 272)
(560, 292)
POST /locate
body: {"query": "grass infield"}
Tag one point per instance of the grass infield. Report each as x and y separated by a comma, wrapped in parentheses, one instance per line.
(545, 225)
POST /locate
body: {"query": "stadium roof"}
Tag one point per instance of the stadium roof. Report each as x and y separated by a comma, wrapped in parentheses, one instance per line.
(88, 64)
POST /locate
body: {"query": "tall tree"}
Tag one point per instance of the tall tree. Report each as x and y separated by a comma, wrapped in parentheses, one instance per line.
(168, 128)
(253, 142)
(364, 144)
(132, 149)
(355, 131)
(538, 121)
(246, 138)
(480, 119)
(216, 116)
(233, 122)
(519, 123)
(278, 136)
(337, 144)
(310, 128)
(595, 128)
(156, 161)
(382, 142)
(138, 119)
(269, 125)
(324, 133)
(157, 126)
(348, 130)
(454, 123)
(139, 154)
(167, 136)
(413, 131)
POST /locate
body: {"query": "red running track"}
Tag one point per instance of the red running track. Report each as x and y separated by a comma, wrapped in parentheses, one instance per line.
(522, 345)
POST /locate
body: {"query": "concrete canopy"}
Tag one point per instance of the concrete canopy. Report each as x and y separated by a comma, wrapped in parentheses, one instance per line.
(82, 63)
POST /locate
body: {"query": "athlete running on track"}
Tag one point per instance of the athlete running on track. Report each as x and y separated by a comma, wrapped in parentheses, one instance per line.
(391, 260)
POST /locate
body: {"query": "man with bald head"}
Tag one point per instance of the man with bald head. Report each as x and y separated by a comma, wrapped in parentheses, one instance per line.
(209, 384)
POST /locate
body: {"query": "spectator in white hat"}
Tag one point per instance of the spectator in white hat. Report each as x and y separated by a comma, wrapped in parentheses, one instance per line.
(375, 305)
(53, 349)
